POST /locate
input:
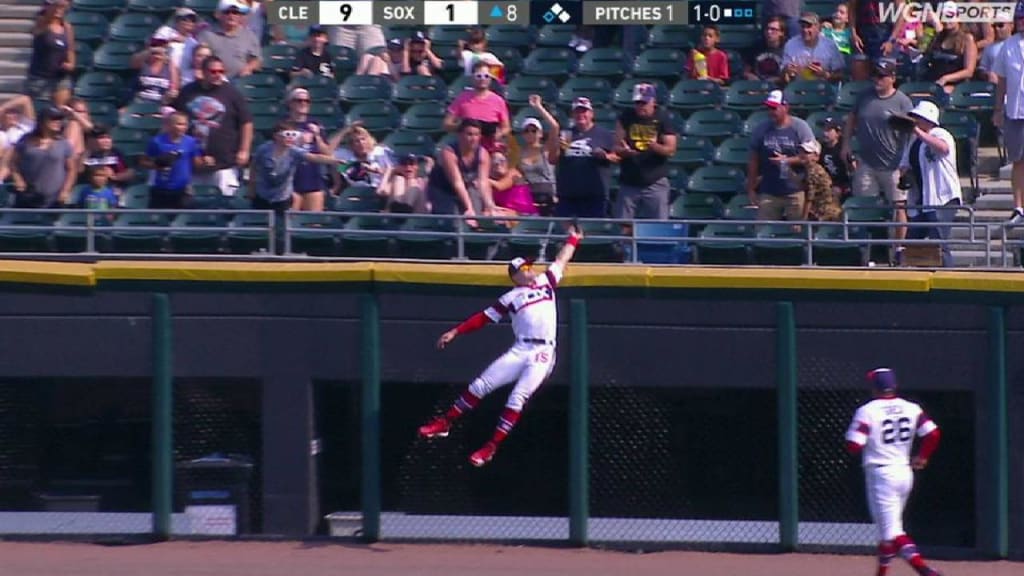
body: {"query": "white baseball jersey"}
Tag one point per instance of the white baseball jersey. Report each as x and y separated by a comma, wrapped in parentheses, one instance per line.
(886, 427)
(532, 308)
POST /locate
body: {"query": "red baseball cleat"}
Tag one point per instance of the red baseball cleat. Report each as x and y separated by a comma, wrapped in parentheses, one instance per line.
(436, 428)
(483, 455)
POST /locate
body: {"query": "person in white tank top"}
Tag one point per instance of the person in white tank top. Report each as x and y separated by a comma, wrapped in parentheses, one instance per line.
(531, 307)
(882, 433)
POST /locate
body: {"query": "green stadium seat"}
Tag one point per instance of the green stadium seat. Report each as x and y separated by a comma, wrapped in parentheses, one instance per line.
(101, 6)
(149, 238)
(624, 91)
(606, 117)
(535, 237)
(745, 95)
(427, 117)
(70, 234)
(511, 58)
(974, 96)
(486, 241)
(369, 237)
(377, 117)
(602, 242)
(739, 208)
(414, 89)
(666, 63)
(83, 56)
(867, 209)
(104, 86)
(249, 233)
(116, 56)
(724, 243)
(135, 197)
(738, 36)
(185, 239)
(733, 151)
(551, 62)
(314, 233)
(521, 87)
(365, 88)
(842, 252)
(725, 181)
(403, 142)
(555, 35)
(25, 232)
(925, 90)
(122, 136)
(754, 119)
(846, 99)
(91, 27)
(665, 36)
(605, 62)
(716, 125)
(696, 206)
(439, 246)
(599, 90)
(141, 115)
(792, 252)
(695, 95)
(359, 199)
(134, 26)
(517, 36)
(161, 7)
(102, 112)
(693, 152)
(345, 61)
(447, 34)
(202, 6)
(206, 197)
(805, 96)
(278, 58)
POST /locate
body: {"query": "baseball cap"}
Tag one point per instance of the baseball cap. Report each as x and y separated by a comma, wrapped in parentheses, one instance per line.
(227, 5)
(810, 18)
(811, 147)
(831, 122)
(297, 93)
(395, 43)
(317, 29)
(885, 68)
(517, 264)
(883, 379)
(775, 99)
(418, 36)
(410, 159)
(532, 122)
(99, 130)
(644, 92)
(183, 12)
(582, 102)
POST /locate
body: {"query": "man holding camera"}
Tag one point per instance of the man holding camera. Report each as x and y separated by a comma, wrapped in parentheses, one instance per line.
(881, 143)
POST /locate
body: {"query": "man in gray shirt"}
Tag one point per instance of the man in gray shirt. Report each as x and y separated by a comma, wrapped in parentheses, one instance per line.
(233, 43)
(880, 145)
(774, 159)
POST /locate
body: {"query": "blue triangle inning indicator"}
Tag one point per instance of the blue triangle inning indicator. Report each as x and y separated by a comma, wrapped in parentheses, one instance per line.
(496, 12)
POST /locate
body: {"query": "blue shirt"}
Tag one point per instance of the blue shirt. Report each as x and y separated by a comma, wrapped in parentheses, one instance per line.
(768, 140)
(96, 198)
(272, 176)
(178, 176)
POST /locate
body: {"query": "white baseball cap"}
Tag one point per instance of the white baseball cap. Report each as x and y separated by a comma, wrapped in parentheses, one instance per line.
(517, 264)
(927, 111)
(297, 92)
(532, 122)
(582, 102)
(239, 5)
(775, 99)
(811, 147)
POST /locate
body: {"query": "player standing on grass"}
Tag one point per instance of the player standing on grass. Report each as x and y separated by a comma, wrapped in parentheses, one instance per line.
(883, 431)
(534, 315)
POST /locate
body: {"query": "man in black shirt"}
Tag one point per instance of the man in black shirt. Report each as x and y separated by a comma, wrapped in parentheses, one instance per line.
(646, 140)
(584, 165)
(313, 59)
(763, 60)
(219, 119)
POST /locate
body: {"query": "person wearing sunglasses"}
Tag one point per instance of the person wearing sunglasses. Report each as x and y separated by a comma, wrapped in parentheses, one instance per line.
(220, 120)
(232, 41)
(482, 104)
(987, 62)
(309, 177)
(272, 172)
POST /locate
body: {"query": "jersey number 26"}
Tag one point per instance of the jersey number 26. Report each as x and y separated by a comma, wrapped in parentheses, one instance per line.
(894, 431)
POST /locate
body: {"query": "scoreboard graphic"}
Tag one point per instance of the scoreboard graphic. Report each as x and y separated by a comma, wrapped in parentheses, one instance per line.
(512, 12)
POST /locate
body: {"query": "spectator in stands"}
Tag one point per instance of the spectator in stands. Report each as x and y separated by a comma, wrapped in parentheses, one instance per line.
(510, 190)
(53, 51)
(583, 172)
(102, 152)
(474, 50)
(97, 193)
(831, 157)
(787, 11)
(179, 39)
(273, 168)
(811, 55)
(1008, 113)
(706, 61)
(837, 29)
(867, 30)
(458, 183)
(363, 162)
(17, 118)
(539, 156)
(953, 56)
(194, 72)
(314, 59)
(763, 60)
(930, 160)
(419, 58)
(984, 33)
(230, 41)
(158, 79)
(222, 124)
(358, 38)
(480, 103)
(172, 155)
(79, 123)
(646, 140)
(310, 179)
(987, 62)
(775, 146)
(407, 188)
(44, 164)
(880, 144)
(822, 203)
(388, 63)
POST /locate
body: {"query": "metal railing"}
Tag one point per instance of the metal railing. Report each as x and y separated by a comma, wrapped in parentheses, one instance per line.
(630, 236)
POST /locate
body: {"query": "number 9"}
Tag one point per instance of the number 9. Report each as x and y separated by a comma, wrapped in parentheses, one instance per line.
(346, 11)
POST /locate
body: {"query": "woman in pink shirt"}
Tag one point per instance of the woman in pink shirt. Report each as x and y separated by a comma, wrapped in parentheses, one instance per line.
(481, 104)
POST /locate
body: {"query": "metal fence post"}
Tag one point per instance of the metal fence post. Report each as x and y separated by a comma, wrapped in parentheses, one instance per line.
(579, 437)
(163, 404)
(998, 541)
(370, 418)
(785, 367)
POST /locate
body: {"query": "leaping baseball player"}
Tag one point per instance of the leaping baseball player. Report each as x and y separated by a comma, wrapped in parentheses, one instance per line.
(883, 431)
(532, 309)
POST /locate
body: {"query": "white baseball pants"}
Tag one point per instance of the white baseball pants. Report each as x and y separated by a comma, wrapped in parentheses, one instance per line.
(528, 365)
(888, 488)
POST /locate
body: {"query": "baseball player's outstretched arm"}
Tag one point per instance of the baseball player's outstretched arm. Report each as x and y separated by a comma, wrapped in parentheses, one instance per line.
(471, 324)
(569, 249)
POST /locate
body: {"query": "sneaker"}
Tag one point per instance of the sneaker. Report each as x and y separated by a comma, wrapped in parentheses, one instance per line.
(1017, 217)
(436, 428)
(483, 455)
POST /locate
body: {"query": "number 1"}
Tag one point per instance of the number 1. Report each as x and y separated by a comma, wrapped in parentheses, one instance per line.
(451, 12)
